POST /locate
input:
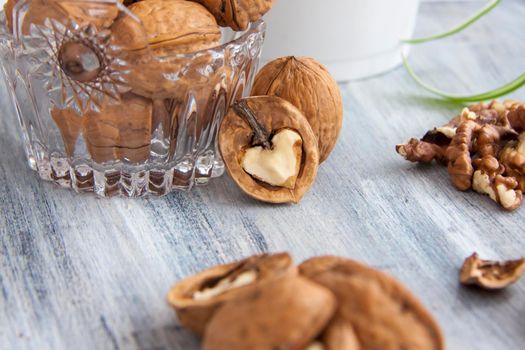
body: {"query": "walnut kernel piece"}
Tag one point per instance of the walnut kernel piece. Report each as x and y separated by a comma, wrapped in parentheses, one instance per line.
(288, 314)
(251, 125)
(307, 84)
(196, 298)
(225, 285)
(383, 314)
(491, 274)
(278, 166)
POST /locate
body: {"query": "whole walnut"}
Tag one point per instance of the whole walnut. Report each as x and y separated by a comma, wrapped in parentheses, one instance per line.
(177, 26)
(308, 86)
(100, 14)
(119, 131)
(237, 14)
(150, 46)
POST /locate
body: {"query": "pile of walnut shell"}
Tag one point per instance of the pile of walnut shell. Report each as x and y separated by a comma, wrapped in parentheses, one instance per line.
(265, 302)
(484, 149)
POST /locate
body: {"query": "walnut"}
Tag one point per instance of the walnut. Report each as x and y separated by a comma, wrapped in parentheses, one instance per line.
(237, 14)
(383, 314)
(481, 151)
(309, 86)
(491, 274)
(170, 27)
(421, 151)
(196, 298)
(69, 123)
(339, 334)
(100, 14)
(488, 179)
(176, 26)
(120, 130)
(284, 315)
(269, 149)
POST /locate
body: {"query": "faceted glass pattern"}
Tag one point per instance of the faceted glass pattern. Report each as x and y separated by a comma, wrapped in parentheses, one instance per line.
(96, 116)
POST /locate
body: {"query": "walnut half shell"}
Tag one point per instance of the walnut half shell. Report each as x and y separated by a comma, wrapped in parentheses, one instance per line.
(237, 135)
(284, 315)
(383, 314)
(491, 274)
(196, 298)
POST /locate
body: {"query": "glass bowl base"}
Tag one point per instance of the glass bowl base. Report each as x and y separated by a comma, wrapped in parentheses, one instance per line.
(128, 180)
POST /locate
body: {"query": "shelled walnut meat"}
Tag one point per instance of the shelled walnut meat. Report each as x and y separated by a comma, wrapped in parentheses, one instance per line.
(482, 148)
(269, 149)
(306, 84)
(333, 304)
(197, 298)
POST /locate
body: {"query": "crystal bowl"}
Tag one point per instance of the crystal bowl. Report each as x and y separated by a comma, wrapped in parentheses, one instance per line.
(118, 125)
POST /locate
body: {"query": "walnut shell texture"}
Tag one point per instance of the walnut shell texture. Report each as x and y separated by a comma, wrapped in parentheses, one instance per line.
(120, 130)
(177, 26)
(195, 314)
(237, 14)
(309, 86)
(69, 123)
(273, 113)
(339, 335)
(100, 14)
(383, 313)
(284, 315)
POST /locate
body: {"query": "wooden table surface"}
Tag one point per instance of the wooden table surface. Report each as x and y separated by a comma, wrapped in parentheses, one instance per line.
(77, 272)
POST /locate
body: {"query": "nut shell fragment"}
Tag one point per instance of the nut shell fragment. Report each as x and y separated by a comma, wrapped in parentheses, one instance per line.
(195, 313)
(307, 84)
(383, 314)
(274, 114)
(491, 274)
(284, 315)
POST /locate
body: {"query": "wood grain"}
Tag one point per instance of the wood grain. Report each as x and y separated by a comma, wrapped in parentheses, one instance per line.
(77, 272)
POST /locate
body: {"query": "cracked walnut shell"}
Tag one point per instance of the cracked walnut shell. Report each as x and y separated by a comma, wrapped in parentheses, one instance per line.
(284, 315)
(237, 14)
(308, 86)
(237, 136)
(196, 298)
(383, 314)
(491, 274)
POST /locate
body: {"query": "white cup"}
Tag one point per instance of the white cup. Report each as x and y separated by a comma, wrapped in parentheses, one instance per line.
(352, 38)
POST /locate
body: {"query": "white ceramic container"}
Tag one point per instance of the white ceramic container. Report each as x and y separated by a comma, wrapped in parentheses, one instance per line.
(353, 38)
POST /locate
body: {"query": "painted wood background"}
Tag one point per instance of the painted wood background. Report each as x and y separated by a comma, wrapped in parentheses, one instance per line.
(77, 272)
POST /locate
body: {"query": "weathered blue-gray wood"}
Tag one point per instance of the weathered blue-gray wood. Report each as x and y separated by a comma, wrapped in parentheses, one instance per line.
(77, 272)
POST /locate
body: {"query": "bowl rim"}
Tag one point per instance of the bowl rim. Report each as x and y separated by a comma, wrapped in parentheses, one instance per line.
(240, 37)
